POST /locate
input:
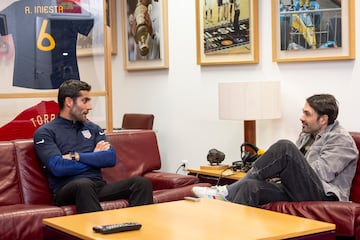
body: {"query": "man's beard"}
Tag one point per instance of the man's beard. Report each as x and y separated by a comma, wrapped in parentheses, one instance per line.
(78, 116)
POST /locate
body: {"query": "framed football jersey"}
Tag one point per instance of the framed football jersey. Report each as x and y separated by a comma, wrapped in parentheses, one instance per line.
(45, 37)
(39, 45)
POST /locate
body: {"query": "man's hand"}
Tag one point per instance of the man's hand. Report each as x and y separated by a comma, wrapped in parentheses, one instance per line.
(102, 146)
(66, 156)
(69, 157)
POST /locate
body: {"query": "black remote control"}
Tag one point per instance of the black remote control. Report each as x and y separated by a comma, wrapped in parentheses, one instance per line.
(114, 228)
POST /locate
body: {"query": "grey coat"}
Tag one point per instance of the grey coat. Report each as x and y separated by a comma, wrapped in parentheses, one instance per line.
(333, 156)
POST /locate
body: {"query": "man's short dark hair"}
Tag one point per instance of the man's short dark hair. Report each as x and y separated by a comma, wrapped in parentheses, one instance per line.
(324, 104)
(71, 88)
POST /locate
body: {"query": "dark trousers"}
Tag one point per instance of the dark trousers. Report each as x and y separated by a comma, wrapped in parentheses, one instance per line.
(299, 181)
(87, 194)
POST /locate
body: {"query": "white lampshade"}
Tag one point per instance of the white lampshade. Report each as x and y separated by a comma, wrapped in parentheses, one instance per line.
(249, 100)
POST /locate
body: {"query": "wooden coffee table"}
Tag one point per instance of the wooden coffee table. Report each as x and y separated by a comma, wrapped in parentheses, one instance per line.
(205, 219)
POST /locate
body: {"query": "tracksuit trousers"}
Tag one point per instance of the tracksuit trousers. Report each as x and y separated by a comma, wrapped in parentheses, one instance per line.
(87, 193)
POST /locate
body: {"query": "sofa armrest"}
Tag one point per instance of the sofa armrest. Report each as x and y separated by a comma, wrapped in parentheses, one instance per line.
(165, 180)
(342, 214)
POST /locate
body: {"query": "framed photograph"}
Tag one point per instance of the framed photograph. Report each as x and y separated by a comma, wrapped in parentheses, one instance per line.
(227, 32)
(145, 34)
(93, 43)
(313, 30)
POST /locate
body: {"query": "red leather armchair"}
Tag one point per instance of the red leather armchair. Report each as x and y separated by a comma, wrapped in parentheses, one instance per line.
(345, 215)
(137, 121)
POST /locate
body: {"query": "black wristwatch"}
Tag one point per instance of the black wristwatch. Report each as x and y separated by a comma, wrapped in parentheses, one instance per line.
(72, 155)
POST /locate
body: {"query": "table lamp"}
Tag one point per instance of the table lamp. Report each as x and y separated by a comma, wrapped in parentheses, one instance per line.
(249, 101)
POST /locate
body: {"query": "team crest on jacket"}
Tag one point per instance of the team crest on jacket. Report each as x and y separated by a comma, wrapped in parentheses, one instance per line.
(86, 134)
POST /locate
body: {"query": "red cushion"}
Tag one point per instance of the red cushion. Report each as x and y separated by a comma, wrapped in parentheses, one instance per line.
(33, 180)
(343, 214)
(137, 152)
(355, 188)
(9, 181)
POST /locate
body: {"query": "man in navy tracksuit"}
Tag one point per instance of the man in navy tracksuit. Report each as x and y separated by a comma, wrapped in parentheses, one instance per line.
(73, 151)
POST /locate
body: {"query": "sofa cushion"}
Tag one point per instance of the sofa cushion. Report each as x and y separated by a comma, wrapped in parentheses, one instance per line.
(164, 180)
(34, 183)
(343, 214)
(105, 205)
(167, 195)
(9, 182)
(136, 152)
(23, 221)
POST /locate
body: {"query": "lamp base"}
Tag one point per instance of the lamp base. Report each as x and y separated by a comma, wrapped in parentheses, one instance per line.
(250, 131)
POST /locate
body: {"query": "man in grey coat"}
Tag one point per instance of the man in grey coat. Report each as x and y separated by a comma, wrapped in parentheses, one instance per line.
(319, 167)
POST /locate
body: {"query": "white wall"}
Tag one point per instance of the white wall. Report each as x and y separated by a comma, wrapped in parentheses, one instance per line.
(184, 97)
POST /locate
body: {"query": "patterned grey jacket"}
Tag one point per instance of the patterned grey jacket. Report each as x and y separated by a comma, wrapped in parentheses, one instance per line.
(333, 156)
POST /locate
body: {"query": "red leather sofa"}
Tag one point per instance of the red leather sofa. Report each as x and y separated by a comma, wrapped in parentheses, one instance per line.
(345, 215)
(25, 198)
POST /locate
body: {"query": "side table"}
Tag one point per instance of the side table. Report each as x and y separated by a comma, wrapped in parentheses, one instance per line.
(216, 176)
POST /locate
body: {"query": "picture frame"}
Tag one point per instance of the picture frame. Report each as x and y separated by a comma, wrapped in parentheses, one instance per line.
(311, 33)
(148, 50)
(20, 87)
(89, 45)
(218, 42)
